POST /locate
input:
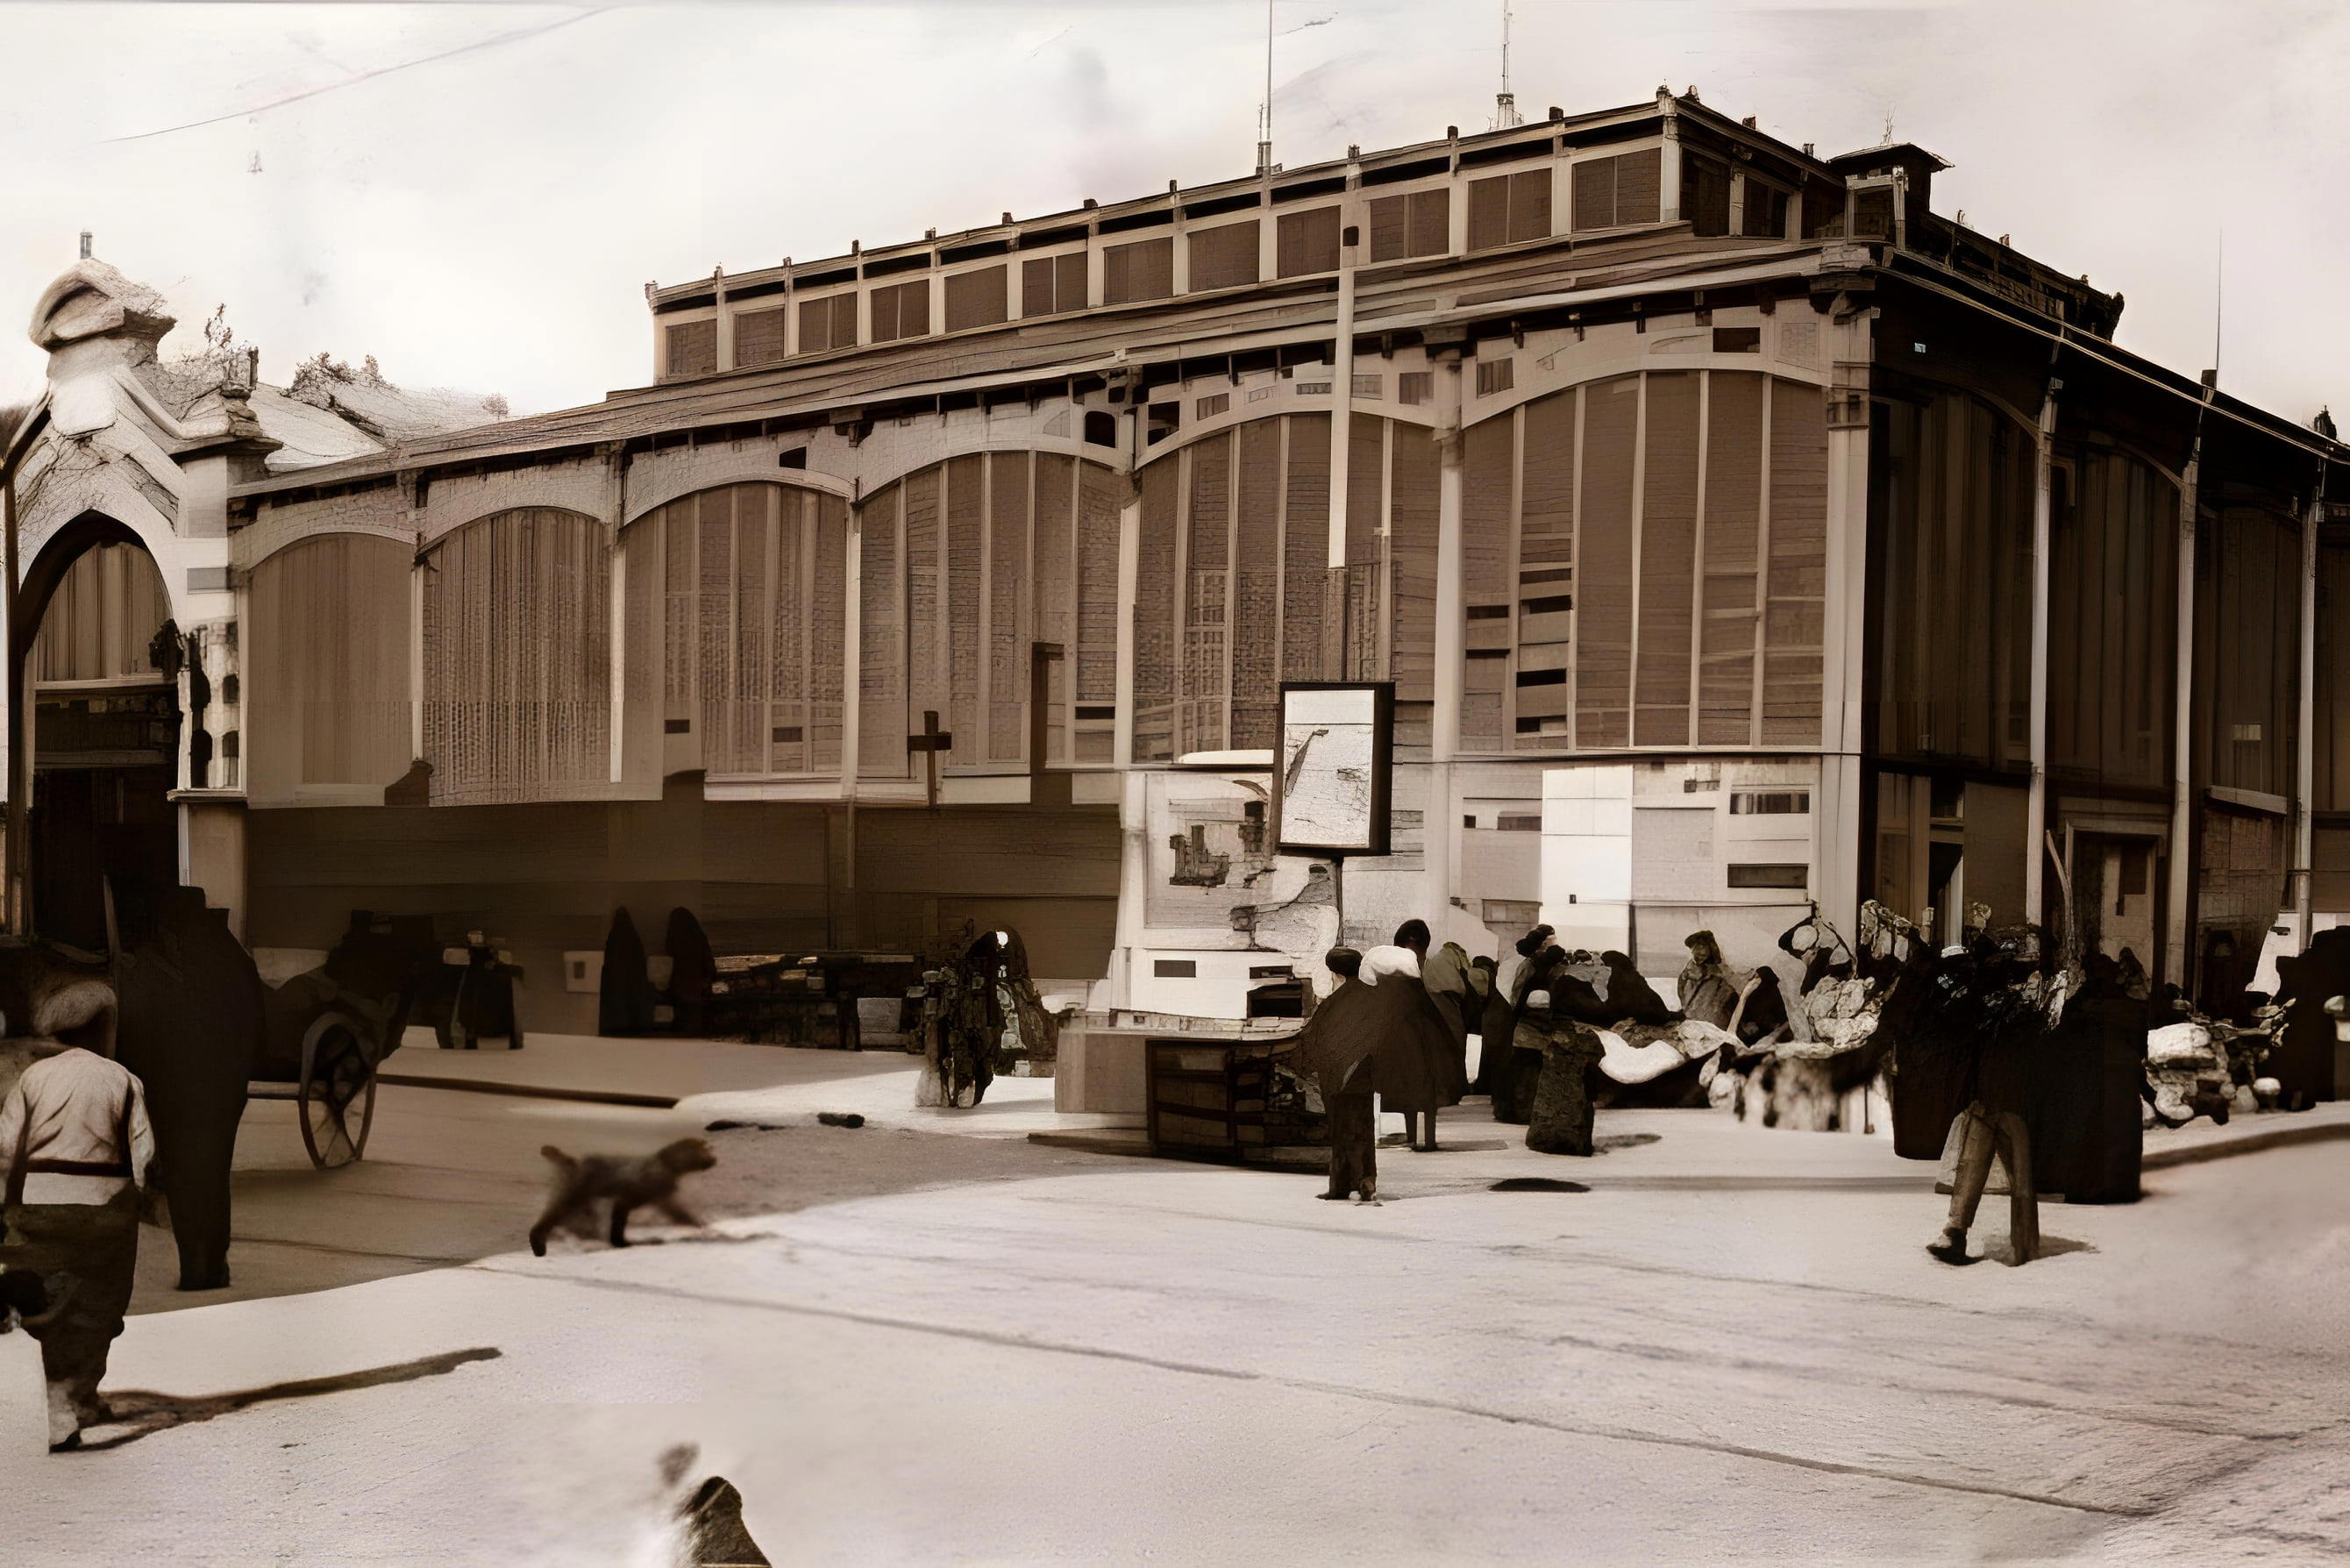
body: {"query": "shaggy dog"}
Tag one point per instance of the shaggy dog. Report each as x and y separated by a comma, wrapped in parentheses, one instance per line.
(640, 1182)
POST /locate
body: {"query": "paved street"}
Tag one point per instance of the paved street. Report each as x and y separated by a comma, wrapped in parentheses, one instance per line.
(903, 1345)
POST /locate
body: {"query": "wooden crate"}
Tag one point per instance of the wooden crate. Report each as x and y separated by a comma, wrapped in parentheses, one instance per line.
(1225, 1099)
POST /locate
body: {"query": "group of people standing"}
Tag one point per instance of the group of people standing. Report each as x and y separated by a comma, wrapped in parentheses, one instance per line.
(1396, 1029)
(981, 1013)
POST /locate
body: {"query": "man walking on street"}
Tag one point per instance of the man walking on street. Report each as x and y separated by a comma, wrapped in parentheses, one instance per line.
(75, 1135)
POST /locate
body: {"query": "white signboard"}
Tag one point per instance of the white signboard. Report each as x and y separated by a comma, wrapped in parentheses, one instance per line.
(1336, 745)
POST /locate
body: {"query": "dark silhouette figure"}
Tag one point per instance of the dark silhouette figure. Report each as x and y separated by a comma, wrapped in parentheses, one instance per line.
(692, 968)
(463, 1005)
(1764, 1011)
(1629, 995)
(624, 998)
(191, 1026)
(2303, 1062)
(2226, 972)
(1337, 1047)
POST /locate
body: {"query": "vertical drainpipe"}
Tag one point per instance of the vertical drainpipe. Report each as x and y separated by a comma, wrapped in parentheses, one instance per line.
(2178, 959)
(2305, 748)
(2035, 815)
(1342, 419)
(615, 454)
(1439, 821)
(411, 485)
(1134, 854)
(852, 645)
(1839, 807)
(852, 701)
(13, 851)
(723, 333)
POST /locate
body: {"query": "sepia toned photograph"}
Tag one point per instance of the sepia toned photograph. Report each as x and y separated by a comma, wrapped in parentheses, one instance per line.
(1179, 781)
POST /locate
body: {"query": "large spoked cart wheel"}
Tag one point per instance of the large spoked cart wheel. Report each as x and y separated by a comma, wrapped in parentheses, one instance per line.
(335, 1096)
(332, 1087)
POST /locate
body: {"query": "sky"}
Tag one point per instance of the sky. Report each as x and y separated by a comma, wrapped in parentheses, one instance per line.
(477, 194)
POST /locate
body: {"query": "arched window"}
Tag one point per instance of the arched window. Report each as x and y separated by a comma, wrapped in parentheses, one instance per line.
(968, 565)
(1232, 575)
(517, 658)
(1613, 600)
(327, 646)
(101, 617)
(750, 582)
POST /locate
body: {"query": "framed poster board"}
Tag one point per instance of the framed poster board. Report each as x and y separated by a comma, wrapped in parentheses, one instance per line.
(1334, 767)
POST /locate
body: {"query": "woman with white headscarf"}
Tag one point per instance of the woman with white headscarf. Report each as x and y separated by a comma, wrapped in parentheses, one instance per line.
(1419, 1067)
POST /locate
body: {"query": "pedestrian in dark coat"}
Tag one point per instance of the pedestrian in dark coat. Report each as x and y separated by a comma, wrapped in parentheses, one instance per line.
(1420, 1066)
(1560, 1118)
(1447, 976)
(624, 996)
(693, 967)
(190, 1030)
(1499, 1024)
(1336, 1046)
(2303, 1062)
(1518, 1073)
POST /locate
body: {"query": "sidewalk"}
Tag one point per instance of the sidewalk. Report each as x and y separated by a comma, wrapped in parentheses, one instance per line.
(783, 1085)
(719, 1080)
(2200, 1140)
(715, 1080)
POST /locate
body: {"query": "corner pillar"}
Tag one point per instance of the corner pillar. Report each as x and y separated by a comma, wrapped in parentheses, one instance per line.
(1836, 847)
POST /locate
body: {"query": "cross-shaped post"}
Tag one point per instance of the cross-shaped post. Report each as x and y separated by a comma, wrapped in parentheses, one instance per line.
(931, 741)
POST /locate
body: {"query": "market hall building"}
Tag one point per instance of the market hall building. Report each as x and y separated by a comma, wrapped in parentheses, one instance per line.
(1739, 533)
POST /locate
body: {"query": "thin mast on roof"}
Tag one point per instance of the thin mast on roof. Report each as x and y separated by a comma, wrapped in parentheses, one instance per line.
(2218, 303)
(1505, 102)
(1265, 110)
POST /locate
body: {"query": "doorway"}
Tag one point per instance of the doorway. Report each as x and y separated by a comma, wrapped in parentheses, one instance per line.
(2115, 883)
(105, 742)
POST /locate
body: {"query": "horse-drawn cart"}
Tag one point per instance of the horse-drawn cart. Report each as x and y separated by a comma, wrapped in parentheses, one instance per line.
(332, 1085)
(326, 1031)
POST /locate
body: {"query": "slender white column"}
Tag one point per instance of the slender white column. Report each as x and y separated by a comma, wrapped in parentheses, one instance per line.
(2036, 812)
(2177, 958)
(2305, 740)
(852, 653)
(1836, 817)
(1342, 402)
(1439, 821)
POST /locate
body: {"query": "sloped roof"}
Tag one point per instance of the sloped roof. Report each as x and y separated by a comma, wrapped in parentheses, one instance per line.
(309, 435)
(333, 413)
(388, 413)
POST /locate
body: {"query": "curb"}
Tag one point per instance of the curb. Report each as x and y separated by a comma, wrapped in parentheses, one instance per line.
(2250, 1143)
(531, 1092)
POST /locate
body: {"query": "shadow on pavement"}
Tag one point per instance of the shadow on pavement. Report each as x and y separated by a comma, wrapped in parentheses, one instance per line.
(453, 1177)
(146, 1412)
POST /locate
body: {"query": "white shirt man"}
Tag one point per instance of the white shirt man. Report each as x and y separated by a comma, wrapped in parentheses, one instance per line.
(72, 1113)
